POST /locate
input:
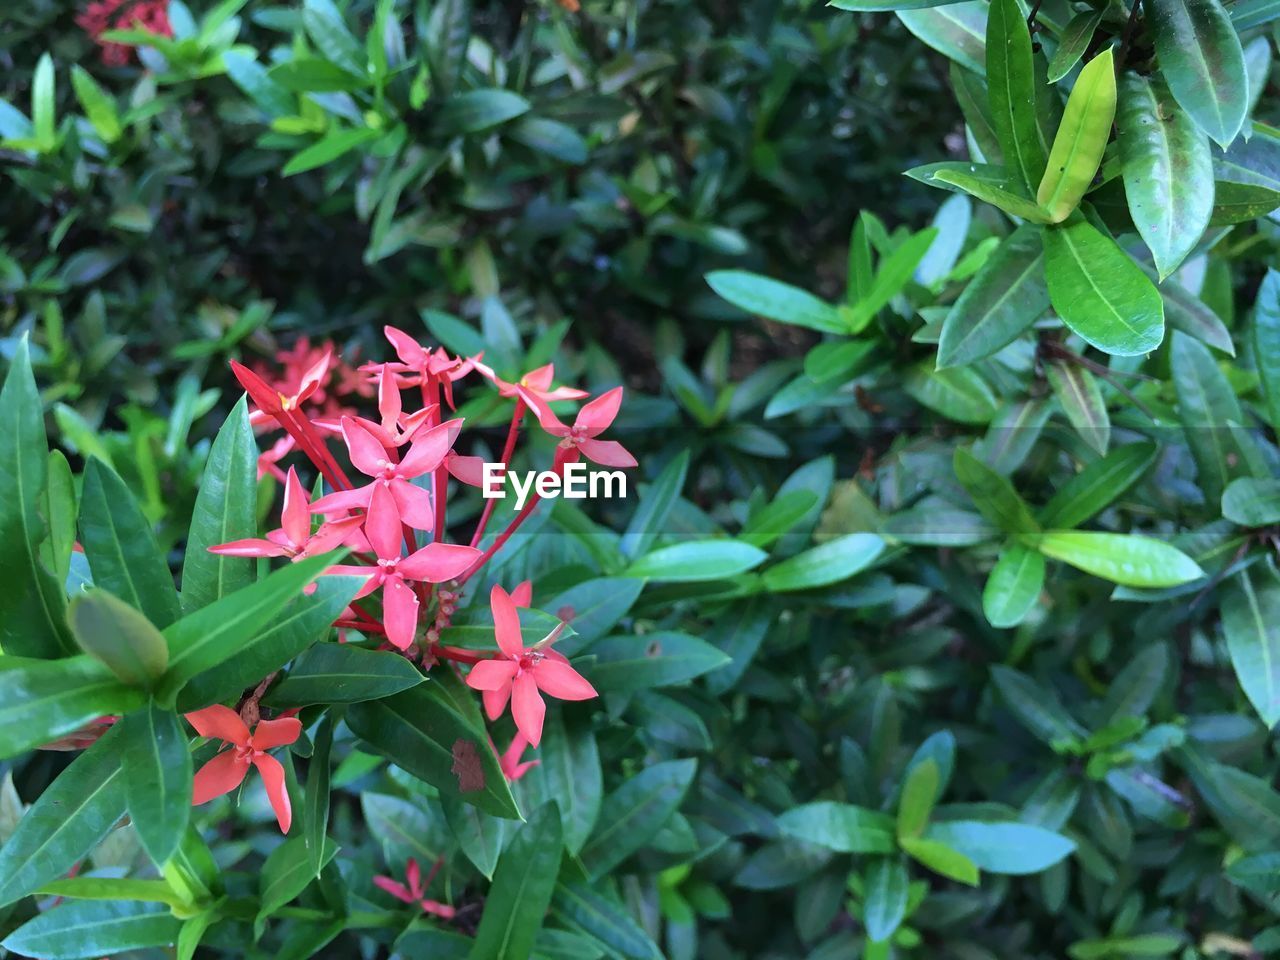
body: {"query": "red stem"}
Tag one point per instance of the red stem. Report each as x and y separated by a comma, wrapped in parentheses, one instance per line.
(508, 451)
(501, 539)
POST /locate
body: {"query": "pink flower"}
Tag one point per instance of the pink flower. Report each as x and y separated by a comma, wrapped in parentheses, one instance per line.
(419, 366)
(294, 538)
(415, 891)
(522, 675)
(410, 503)
(592, 420)
(312, 379)
(513, 768)
(227, 770)
(268, 460)
(434, 563)
(537, 383)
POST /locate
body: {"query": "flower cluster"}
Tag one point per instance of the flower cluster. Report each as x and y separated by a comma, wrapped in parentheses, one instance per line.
(102, 16)
(387, 502)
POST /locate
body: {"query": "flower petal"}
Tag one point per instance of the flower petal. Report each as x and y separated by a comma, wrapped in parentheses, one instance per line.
(249, 548)
(397, 890)
(527, 707)
(382, 523)
(273, 779)
(548, 420)
(389, 403)
(438, 562)
(220, 775)
(407, 349)
(219, 723)
(295, 519)
(607, 453)
(469, 470)
(491, 674)
(343, 501)
(495, 701)
(399, 611)
(367, 454)
(330, 536)
(276, 733)
(557, 679)
(596, 416)
(414, 504)
(427, 450)
(506, 622)
(522, 595)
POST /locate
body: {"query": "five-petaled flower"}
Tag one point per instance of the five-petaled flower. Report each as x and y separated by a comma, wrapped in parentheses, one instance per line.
(294, 537)
(536, 382)
(523, 675)
(227, 770)
(414, 890)
(580, 439)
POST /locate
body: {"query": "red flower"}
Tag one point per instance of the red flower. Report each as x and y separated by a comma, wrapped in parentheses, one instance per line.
(537, 383)
(227, 770)
(521, 674)
(513, 768)
(294, 538)
(415, 891)
(104, 15)
(592, 420)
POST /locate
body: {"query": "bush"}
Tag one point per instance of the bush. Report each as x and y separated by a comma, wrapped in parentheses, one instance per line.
(938, 619)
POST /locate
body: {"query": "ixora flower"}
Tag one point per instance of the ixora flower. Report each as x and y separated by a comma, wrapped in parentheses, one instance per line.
(102, 16)
(537, 383)
(227, 770)
(511, 762)
(523, 675)
(414, 889)
(294, 537)
(580, 439)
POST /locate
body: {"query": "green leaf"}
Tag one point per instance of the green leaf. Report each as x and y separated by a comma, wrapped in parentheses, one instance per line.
(425, 731)
(1011, 82)
(68, 819)
(1126, 559)
(956, 31)
(1013, 586)
(313, 75)
(957, 393)
(1075, 40)
(94, 928)
(522, 889)
(98, 105)
(121, 548)
(1036, 708)
(33, 604)
(1140, 945)
(1207, 406)
(1100, 293)
(216, 633)
(569, 773)
(993, 494)
(329, 148)
(919, 794)
(827, 563)
(59, 511)
(286, 873)
(1090, 491)
(1246, 806)
(224, 511)
(551, 137)
(1202, 61)
(841, 827)
(1251, 622)
(479, 110)
(41, 700)
(941, 859)
(634, 813)
(119, 636)
(697, 560)
(655, 507)
(1187, 313)
(479, 835)
(341, 673)
(883, 6)
(1009, 848)
(891, 277)
(315, 825)
(1250, 502)
(1266, 343)
(629, 663)
(305, 621)
(1246, 14)
(887, 886)
(43, 105)
(157, 776)
(1081, 399)
(110, 888)
(1002, 300)
(1135, 687)
(776, 301)
(587, 908)
(327, 30)
(998, 192)
(1081, 138)
(1167, 168)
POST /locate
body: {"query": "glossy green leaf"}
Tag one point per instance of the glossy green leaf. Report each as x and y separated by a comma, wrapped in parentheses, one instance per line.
(628, 663)
(841, 827)
(340, 673)
(42, 700)
(33, 605)
(333, 145)
(825, 564)
(436, 740)
(1075, 40)
(43, 105)
(67, 821)
(285, 874)
(1080, 397)
(942, 859)
(157, 776)
(1010, 848)
(59, 510)
(1251, 622)
(957, 31)
(1207, 407)
(1202, 61)
(479, 835)
(327, 30)
(94, 928)
(316, 799)
(776, 301)
(1002, 300)
(633, 814)
(224, 511)
(1099, 484)
(1081, 139)
(1011, 82)
(1187, 313)
(957, 393)
(479, 110)
(993, 494)
(885, 903)
(1100, 293)
(119, 636)
(1266, 343)
(593, 911)
(891, 277)
(1036, 708)
(1013, 586)
(98, 105)
(697, 560)
(920, 791)
(522, 889)
(570, 774)
(1126, 559)
(656, 503)
(1002, 193)
(1251, 502)
(121, 548)
(1168, 172)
